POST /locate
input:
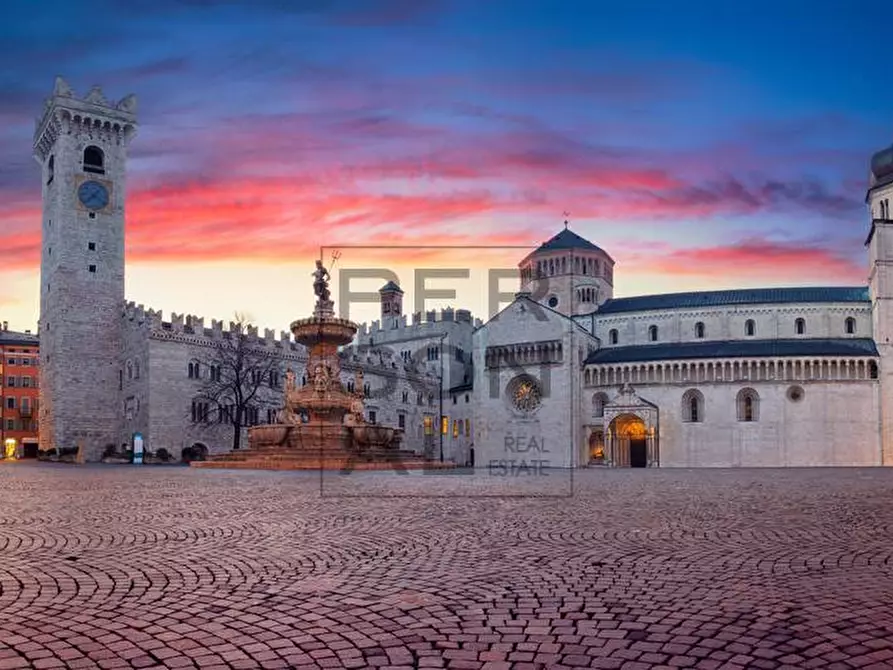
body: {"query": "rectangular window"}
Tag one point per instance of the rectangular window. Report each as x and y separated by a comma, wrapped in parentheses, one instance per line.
(467, 427)
(455, 428)
(11, 382)
(91, 246)
(26, 382)
(10, 424)
(444, 425)
(429, 425)
(10, 403)
(92, 268)
(371, 416)
(401, 421)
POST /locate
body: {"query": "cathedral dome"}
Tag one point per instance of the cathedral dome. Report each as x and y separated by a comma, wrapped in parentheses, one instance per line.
(882, 165)
(567, 239)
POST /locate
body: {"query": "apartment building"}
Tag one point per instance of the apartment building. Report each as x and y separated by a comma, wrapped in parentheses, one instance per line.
(19, 390)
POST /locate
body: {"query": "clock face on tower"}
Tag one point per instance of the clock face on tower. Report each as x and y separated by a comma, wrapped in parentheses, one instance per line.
(93, 195)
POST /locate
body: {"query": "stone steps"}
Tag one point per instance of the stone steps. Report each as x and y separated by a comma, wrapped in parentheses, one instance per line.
(284, 458)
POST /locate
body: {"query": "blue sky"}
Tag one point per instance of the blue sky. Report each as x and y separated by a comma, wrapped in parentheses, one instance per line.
(701, 144)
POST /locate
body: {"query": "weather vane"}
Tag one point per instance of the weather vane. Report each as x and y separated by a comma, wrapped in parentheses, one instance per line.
(566, 215)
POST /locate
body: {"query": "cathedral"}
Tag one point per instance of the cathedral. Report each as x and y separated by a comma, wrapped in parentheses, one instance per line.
(565, 376)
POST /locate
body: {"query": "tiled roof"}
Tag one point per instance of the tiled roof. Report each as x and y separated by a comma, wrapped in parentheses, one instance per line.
(746, 296)
(567, 239)
(736, 349)
(10, 337)
(390, 286)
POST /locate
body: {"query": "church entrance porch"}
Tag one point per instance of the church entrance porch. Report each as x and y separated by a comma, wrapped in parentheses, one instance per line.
(631, 437)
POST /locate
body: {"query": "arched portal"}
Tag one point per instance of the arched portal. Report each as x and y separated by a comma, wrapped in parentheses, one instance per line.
(597, 447)
(630, 441)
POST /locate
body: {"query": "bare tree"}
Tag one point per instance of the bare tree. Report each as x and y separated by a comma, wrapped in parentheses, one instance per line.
(241, 379)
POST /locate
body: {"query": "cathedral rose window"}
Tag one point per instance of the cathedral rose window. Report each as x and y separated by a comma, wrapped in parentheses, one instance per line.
(525, 393)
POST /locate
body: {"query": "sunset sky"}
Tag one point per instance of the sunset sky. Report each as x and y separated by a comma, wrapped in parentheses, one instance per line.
(703, 145)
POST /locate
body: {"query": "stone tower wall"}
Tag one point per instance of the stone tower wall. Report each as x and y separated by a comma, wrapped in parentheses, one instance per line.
(82, 268)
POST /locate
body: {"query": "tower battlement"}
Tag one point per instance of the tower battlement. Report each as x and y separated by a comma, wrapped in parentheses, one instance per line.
(419, 327)
(93, 114)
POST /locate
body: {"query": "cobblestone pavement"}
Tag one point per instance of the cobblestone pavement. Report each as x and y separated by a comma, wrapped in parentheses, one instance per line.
(117, 567)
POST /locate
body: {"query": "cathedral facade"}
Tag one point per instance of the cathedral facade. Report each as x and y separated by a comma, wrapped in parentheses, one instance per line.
(564, 376)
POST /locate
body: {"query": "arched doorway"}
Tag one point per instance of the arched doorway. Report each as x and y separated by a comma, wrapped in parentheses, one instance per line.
(630, 441)
(597, 447)
(197, 452)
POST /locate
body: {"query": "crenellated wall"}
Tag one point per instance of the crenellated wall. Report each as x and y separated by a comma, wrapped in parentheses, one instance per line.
(157, 402)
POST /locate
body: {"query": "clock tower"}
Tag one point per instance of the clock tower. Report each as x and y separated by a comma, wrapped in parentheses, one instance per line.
(81, 146)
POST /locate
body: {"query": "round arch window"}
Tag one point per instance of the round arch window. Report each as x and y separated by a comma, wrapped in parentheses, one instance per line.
(795, 394)
(553, 301)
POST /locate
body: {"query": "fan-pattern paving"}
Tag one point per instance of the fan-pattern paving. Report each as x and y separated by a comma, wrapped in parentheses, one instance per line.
(124, 567)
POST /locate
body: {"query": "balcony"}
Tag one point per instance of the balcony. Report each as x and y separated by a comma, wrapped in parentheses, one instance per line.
(26, 412)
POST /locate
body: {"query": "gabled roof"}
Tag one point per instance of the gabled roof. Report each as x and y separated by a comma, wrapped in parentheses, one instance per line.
(537, 305)
(735, 349)
(747, 296)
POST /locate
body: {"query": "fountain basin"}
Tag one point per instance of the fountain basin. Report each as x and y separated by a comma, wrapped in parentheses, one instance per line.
(373, 436)
(323, 330)
(270, 435)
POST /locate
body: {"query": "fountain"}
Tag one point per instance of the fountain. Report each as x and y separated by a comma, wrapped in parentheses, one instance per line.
(321, 424)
